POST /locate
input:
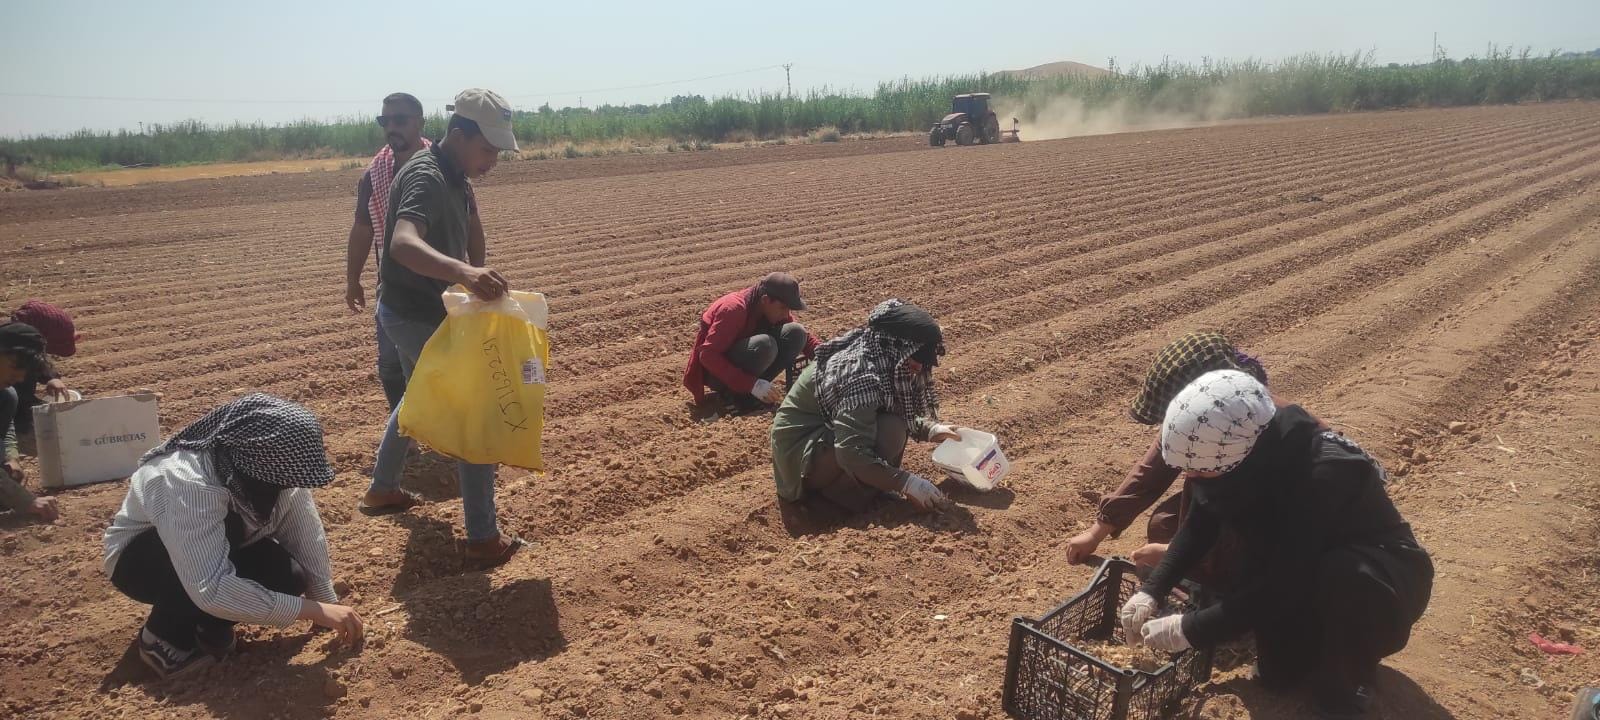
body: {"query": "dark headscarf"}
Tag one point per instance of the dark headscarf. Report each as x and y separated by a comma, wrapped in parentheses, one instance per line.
(26, 343)
(259, 445)
(1183, 361)
(866, 366)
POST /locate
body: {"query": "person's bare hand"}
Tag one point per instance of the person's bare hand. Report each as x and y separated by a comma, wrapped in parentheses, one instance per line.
(45, 509)
(355, 296)
(1150, 555)
(57, 389)
(1081, 546)
(484, 282)
(339, 618)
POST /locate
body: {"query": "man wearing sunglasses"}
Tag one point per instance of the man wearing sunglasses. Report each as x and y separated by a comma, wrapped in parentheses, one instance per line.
(401, 121)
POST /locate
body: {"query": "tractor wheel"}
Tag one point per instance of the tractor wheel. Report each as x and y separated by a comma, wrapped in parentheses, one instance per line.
(965, 135)
(991, 131)
(936, 137)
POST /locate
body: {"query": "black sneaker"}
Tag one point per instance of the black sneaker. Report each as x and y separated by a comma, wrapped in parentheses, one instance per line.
(168, 661)
(218, 641)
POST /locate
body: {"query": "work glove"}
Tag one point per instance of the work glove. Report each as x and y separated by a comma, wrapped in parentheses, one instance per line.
(1135, 613)
(765, 392)
(922, 493)
(1165, 634)
(940, 432)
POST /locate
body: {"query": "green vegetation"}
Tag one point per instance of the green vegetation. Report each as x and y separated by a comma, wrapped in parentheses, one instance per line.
(1300, 85)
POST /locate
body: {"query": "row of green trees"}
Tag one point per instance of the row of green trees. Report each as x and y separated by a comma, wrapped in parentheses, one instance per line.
(1300, 85)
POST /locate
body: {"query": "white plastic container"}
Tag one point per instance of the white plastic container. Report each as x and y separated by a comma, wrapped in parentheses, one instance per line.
(975, 459)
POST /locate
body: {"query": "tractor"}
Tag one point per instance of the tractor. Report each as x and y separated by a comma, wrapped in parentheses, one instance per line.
(970, 121)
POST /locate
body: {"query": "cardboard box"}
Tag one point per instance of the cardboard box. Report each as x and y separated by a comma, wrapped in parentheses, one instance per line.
(89, 441)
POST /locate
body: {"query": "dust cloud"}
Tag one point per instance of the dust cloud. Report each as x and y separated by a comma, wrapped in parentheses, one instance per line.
(1065, 116)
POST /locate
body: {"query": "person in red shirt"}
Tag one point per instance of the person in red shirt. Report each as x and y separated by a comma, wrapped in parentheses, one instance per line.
(746, 338)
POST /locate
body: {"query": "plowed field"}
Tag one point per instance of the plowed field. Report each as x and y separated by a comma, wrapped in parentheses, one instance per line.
(1396, 271)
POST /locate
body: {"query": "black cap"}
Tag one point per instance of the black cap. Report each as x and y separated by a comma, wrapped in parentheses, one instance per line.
(22, 339)
(20, 336)
(784, 287)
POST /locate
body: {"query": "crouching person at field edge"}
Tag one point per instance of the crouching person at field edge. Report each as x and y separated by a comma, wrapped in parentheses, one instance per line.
(842, 429)
(1334, 578)
(746, 339)
(219, 528)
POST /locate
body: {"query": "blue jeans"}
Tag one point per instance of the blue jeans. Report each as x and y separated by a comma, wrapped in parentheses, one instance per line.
(391, 372)
(477, 481)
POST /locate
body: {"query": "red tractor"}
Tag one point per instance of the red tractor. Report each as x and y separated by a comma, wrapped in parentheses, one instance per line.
(970, 121)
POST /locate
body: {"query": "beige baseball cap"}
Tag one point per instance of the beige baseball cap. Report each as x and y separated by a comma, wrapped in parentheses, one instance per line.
(492, 114)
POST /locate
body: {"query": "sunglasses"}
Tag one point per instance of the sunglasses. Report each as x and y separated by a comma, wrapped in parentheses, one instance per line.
(387, 120)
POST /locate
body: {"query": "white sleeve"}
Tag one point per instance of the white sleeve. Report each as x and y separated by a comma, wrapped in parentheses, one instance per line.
(300, 532)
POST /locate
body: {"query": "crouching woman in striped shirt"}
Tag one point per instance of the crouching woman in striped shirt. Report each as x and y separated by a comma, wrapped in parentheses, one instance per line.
(219, 528)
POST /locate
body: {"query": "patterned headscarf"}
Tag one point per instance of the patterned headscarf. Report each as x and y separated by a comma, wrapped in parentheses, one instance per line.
(257, 439)
(61, 337)
(1213, 423)
(866, 366)
(1183, 360)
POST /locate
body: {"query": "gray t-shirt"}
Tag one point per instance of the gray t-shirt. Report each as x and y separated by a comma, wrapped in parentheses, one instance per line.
(433, 193)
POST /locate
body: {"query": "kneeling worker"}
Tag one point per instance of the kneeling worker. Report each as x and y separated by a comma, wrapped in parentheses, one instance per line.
(1334, 578)
(219, 528)
(746, 338)
(842, 429)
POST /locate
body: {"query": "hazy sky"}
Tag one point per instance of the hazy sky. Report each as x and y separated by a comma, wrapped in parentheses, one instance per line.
(277, 61)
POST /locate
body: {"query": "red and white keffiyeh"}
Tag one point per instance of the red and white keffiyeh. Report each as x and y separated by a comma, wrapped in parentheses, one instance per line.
(380, 172)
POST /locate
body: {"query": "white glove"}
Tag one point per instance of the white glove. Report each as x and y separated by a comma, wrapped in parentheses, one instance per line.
(922, 493)
(765, 392)
(1165, 634)
(1135, 613)
(941, 429)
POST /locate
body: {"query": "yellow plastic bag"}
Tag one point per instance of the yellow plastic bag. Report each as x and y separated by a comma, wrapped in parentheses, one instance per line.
(477, 392)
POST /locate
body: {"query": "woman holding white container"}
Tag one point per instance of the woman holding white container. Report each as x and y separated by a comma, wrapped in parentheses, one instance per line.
(842, 429)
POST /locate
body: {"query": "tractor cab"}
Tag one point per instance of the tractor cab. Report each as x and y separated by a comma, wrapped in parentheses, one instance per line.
(975, 105)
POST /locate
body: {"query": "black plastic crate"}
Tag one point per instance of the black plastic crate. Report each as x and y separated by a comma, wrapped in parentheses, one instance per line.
(1049, 678)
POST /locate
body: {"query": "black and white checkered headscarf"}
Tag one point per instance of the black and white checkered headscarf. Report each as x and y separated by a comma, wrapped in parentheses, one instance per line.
(1213, 423)
(866, 368)
(262, 438)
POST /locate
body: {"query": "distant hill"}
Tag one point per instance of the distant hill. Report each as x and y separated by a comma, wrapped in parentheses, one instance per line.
(1056, 69)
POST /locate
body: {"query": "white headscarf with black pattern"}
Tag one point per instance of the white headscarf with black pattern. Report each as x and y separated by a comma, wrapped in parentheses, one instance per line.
(263, 438)
(1214, 422)
(866, 368)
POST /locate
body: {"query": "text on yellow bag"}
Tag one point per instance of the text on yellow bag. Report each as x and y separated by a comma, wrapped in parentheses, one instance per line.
(477, 392)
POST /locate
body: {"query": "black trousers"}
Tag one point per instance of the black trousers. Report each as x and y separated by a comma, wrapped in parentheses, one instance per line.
(1363, 606)
(144, 572)
(764, 355)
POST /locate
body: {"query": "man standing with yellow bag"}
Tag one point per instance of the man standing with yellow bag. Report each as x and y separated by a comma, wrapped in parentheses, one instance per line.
(427, 249)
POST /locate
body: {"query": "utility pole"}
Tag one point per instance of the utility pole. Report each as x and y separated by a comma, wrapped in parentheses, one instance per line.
(786, 82)
(1436, 45)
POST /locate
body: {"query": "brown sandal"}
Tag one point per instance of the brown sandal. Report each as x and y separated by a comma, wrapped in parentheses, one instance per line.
(486, 554)
(407, 501)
